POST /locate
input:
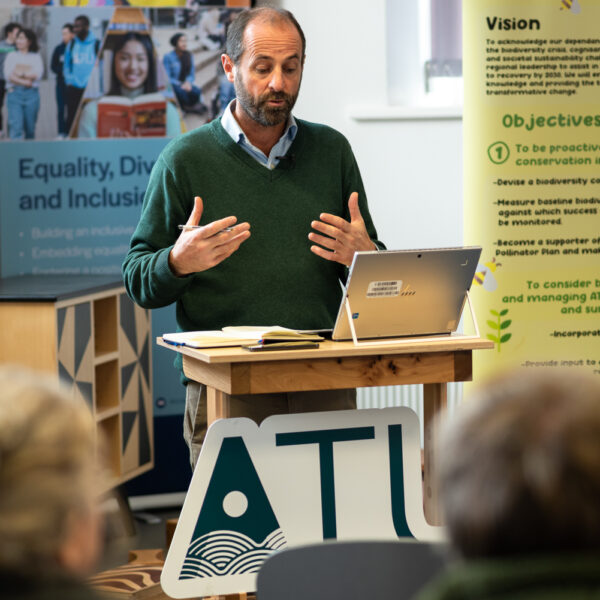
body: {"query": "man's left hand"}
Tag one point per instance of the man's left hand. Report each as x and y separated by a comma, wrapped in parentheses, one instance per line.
(341, 239)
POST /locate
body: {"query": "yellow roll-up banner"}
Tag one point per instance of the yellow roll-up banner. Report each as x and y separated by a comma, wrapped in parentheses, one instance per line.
(532, 179)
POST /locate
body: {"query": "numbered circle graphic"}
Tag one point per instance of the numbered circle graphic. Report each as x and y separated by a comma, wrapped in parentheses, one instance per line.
(498, 152)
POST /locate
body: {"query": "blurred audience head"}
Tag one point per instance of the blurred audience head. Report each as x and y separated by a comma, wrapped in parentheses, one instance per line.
(520, 467)
(49, 478)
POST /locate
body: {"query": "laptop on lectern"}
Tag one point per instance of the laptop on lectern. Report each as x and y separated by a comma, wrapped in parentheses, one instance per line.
(398, 293)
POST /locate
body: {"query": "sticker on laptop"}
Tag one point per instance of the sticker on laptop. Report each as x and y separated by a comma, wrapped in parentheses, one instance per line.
(384, 289)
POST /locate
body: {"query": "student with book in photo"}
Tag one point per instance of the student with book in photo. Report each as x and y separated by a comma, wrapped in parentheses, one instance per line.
(256, 167)
(133, 105)
(23, 70)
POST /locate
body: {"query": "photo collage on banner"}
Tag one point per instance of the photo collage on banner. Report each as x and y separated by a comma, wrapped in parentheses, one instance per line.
(87, 70)
(532, 180)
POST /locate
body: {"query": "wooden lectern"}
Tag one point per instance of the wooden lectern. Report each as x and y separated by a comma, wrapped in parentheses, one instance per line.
(337, 365)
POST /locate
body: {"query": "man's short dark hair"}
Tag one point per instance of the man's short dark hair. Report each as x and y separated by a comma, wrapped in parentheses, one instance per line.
(83, 19)
(234, 46)
(520, 467)
(68, 26)
(10, 27)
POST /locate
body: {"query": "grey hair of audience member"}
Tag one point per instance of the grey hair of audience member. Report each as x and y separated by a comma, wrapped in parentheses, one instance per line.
(49, 479)
(234, 46)
(520, 467)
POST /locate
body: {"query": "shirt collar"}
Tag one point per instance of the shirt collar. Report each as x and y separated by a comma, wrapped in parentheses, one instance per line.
(232, 127)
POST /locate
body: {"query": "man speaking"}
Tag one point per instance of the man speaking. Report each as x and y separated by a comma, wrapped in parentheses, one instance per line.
(282, 210)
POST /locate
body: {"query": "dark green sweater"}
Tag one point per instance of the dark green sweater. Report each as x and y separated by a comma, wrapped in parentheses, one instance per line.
(274, 278)
(562, 577)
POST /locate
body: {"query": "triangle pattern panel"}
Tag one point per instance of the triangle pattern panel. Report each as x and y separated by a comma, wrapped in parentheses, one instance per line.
(86, 390)
(128, 321)
(130, 393)
(142, 326)
(144, 359)
(129, 418)
(66, 346)
(75, 350)
(61, 315)
(135, 353)
(145, 424)
(130, 457)
(64, 374)
(148, 402)
(85, 371)
(83, 331)
(126, 374)
(126, 350)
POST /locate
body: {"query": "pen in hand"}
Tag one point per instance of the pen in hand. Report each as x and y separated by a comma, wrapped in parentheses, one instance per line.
(189, 227)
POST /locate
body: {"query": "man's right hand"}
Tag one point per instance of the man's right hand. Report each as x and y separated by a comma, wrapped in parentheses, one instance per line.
(200, 249)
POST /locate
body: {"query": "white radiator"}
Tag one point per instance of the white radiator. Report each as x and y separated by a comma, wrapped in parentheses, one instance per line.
(404, 395)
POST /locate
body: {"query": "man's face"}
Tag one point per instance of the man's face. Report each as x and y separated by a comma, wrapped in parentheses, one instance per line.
(268, 75)
(11, 36)
(66, 34)
(80, 29)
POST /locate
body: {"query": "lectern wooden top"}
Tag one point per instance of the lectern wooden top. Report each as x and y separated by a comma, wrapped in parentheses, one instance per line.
(329, 349)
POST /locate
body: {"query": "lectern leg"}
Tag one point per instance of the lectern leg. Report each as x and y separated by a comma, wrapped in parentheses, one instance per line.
(217, 404)
(434, 405)
(217, 407)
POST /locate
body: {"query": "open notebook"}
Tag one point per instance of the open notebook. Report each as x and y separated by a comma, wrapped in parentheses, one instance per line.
(238, 336)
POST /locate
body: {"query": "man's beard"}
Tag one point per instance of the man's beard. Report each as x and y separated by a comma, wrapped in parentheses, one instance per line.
(258, 109)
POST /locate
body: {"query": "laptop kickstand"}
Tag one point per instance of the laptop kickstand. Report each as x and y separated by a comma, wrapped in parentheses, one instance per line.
(397, 341)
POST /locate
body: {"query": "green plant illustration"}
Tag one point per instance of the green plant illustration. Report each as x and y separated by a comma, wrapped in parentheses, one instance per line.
(499, 326)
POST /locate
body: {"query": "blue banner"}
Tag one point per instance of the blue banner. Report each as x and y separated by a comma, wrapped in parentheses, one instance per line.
(70, 207)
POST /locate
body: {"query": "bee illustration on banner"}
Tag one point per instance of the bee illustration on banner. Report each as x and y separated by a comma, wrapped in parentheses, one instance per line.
(571, 5)
(484, 275)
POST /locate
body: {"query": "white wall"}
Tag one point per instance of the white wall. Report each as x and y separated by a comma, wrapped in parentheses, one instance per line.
(412, 169)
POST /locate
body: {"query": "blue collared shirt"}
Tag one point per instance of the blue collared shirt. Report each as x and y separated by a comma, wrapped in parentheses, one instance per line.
(232, 127)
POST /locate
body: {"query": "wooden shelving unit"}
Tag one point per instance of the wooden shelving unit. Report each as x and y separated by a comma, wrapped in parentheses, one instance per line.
(86, 331)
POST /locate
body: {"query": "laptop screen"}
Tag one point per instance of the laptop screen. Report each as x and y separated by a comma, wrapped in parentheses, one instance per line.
(397, 293)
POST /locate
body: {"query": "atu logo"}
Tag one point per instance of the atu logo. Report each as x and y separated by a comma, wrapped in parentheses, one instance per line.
(296, 479)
